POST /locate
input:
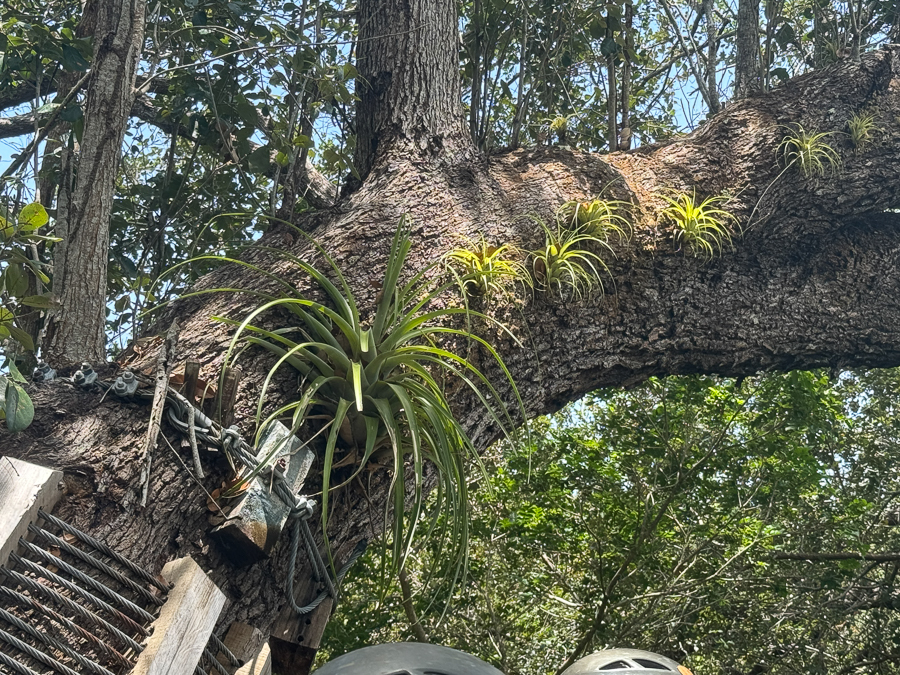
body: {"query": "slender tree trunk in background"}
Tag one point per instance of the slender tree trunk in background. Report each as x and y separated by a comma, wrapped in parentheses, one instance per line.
(820, 53)
(746, 67)
(33, 320)
(521, 96)
(76, 331)
(712, 57)
(408, 607)
(612, 103)
(475, 92)
(625, 135)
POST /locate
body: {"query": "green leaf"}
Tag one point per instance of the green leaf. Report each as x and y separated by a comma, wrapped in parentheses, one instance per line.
(609, 46)
(6, 316)
(72, 59)
(15, 374)
(15, 280)
(259, 159)
(6, 229)
(71, 113)
(18, 408)
(39, 301)
(21, 337)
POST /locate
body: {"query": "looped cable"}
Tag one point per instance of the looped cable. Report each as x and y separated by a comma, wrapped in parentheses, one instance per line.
(189, 420)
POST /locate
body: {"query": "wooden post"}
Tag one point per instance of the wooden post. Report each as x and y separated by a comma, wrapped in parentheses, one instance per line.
(295, 640)
(191, 375)
(228, 396)
(254, 524)
(185, 622)
(24, 489)
(249, 645)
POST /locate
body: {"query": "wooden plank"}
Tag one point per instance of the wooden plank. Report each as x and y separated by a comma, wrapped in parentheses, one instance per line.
(289, 657)
(255, 523)
(185, 621)
(259, 664)
(24, 489)
(295, 640)
(249, 645)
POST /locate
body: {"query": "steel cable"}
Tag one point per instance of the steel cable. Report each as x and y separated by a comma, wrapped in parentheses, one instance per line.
(103, 548)
(85, 662)
(69, 625)
(98, 564)
(232, 659)
(74, 588)
(95, 585)
(36, 654)
(72, 606)
(9, 662)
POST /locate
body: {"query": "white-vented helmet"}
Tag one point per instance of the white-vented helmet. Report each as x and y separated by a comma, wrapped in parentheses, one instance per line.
(626, 662)
(407, 658)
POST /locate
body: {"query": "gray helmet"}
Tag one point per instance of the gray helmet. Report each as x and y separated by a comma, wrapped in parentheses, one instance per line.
(625, 662)
(407, 658)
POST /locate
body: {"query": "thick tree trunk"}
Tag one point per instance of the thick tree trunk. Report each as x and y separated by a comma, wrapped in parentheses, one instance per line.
(77, 330)
(408, 85)
(812, 282)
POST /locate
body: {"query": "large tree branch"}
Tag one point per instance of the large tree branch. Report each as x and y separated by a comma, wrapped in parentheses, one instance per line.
(811, 283)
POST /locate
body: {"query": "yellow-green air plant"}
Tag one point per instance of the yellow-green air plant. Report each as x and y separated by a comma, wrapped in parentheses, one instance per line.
(810, 152)
(377, 381)
(564, 266)
(483, 269)
(599, 217)
(701, 226)
(861, 126)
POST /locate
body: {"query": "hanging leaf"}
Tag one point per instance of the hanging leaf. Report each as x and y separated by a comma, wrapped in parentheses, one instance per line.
(21, 337)
(72, 59)
(14, 373)
(18, 407)
(39, 301)
(16, 281)
(71, 113)
(609, 46)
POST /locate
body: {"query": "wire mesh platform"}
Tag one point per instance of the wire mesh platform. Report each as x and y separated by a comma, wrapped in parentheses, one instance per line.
(70, 605)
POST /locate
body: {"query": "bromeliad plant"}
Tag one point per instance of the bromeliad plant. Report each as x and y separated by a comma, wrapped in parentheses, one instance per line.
(379, 381)
(598, 217)
(482, 269)
(810, 151)
(861, 126)
(700, 226)
(564, 266)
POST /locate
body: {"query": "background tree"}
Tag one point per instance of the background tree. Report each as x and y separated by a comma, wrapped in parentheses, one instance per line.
(740, 527)
(242, 95)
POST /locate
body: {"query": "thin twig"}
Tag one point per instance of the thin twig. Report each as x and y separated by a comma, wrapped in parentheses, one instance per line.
(23, 157)
(181, 461)
(192, 438)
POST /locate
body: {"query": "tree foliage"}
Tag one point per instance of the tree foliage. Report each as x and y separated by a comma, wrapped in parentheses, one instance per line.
(660, 518)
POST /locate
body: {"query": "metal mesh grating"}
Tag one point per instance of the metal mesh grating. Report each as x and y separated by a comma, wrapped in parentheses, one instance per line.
(71, 605)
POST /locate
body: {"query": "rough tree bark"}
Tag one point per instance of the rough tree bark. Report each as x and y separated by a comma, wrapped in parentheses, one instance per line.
(746, 65)
(77, 330)
(812, 282)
